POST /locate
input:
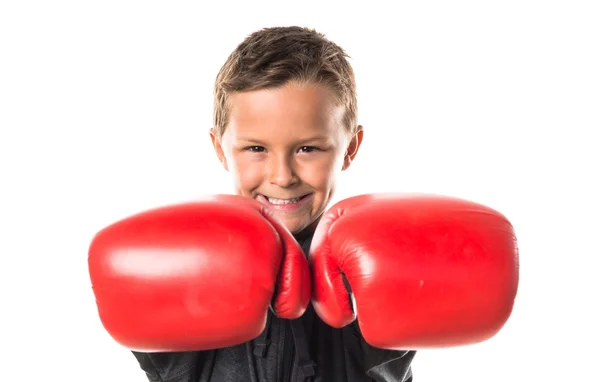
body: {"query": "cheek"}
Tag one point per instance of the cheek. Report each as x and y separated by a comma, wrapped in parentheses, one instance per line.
(320, 175)
(248, 174)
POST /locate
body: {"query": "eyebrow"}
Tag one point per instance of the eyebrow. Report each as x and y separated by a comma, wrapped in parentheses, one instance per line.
(300, 142)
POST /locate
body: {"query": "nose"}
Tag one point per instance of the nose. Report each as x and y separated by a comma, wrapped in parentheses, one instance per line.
(281, 171)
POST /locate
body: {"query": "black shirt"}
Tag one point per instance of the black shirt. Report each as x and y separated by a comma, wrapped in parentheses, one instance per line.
(302, 350)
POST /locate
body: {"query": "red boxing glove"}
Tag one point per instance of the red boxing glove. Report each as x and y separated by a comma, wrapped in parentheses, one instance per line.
(196, 276)
(424, 271)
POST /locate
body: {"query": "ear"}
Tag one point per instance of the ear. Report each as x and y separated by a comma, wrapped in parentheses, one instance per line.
(218, 149)
(352, 148)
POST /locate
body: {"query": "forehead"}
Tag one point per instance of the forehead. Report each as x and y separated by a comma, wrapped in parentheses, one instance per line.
(293, 110)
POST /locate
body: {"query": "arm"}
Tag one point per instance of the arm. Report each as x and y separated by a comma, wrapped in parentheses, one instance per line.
(176, 366)
(389, 365)
(384, 365)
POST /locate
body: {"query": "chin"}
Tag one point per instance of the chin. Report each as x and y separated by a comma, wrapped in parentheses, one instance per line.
(295, 225)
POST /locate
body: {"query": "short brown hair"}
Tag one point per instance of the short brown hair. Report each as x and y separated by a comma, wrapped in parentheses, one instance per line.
(272, 57)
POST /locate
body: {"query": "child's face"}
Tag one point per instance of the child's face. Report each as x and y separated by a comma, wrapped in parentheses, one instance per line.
(285, 147)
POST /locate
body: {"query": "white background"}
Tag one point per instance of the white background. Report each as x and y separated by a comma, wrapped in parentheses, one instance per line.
(105, 109)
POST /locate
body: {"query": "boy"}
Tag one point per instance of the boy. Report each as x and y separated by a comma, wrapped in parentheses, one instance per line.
(285, 125)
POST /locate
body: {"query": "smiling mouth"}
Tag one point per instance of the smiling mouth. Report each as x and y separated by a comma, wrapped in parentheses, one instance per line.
(277, 201)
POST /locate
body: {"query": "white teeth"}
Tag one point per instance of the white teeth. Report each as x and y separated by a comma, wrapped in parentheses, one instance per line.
(282, 201)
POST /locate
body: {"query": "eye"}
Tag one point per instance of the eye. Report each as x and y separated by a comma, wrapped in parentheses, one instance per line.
(255, 149)
(307, 149)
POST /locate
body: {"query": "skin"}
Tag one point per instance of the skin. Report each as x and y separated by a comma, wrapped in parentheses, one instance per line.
(285, 143)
